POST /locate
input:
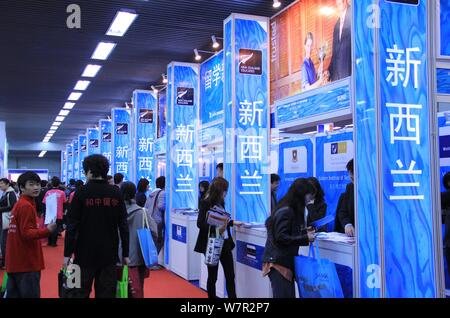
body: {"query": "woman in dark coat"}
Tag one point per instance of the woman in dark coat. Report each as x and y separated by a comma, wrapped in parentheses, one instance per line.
(215, 196)
(286, 232)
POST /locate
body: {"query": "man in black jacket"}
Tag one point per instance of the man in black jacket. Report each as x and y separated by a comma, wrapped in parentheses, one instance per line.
(346, 208)
(96, 217)
(341, 60)
(7, 202)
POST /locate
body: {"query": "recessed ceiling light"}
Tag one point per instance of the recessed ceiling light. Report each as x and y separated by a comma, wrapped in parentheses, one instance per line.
(276, 3)
(46, 140)
(68, 105)
(64, 112)
(42, 154)
(103, 50)
(56, 123)
(122, 21)
(54, 128)
(91, 70)
(60, 118)
(82, 85)
(74, 96)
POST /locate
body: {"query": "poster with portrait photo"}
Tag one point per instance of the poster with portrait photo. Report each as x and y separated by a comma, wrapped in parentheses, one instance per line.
(310, 45)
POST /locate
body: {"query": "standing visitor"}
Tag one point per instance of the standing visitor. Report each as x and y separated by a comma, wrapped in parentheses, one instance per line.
(25, 260)
(136, 268)
(96, 217)
(286, 232)
(346, 212)
(274, 185)
(141, 195)
(156, 208)
(7, 202)
(202, 189)
(55, 200)
(216, 197)
(118, 179)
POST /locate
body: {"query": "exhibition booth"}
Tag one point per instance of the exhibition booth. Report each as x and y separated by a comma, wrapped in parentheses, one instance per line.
(300, 94)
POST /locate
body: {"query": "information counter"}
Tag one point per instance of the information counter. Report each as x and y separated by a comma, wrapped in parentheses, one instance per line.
(183, 260)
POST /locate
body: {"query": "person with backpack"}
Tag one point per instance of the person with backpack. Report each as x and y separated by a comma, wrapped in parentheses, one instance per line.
(7, 202)
(156, 208)
(137, 269)
(286, 232)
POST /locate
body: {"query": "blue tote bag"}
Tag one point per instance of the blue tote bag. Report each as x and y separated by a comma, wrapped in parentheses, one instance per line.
(316, 277)
(148, 248)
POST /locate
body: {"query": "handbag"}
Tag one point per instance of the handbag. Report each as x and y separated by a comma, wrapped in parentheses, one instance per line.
(213, 248)
(122, 284)
(4, 284)
(316, 277)
(217, 217)
(146, 243)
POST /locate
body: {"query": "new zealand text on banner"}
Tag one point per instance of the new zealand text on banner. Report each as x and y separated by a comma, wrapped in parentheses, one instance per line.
(145, 124)
(407, 203)
(121, 141)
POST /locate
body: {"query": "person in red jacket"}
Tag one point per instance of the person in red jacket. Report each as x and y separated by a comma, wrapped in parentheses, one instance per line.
(24, 258)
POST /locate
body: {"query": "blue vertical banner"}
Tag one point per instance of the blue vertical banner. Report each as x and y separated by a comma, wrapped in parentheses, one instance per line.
(64, 166)
(121, 141)
(182, 135)
(75, 158)
(404, 105)
(82, 153)
(444, 13)
(333, 152)
(105, 140)
(295, 160)
(247, 119)
(211, 90)
(162, 113)
(69, 150)
(366, 162)
(169, 90)
(93, 145)
(145, 125)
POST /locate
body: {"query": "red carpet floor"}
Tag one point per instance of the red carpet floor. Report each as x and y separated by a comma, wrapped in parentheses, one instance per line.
(160, 284)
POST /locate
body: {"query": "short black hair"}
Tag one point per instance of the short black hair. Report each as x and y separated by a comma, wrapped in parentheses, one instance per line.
(109, 177)
(446, 180)
(350, 166)
(55, 182)
(44, 183)
(5, 181)
(79, 184)
(72, 181)
(142, 185)
(118, 178)
(161, 182)
(274, 178)
(219, 166)
(128, 190)
(97, 164)
(27, 176)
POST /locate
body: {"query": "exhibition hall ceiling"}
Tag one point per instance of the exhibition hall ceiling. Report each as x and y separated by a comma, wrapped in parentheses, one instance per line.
(42, 59)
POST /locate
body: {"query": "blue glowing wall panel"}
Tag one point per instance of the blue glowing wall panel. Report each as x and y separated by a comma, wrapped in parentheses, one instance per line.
(93, 144)
(445, 27)
(145, 124)
(105, 140)
(247, 123)
(228, 105)
(332, 155)
(162, 111)
(326, 100)
(69, 150)
(211, 90)
(121, 141)
(168, 166)
(63, 167)
(366, 167)
(82, 153)
(183, 132)
(75, 158)
(295, 161)
(444, 148)
(404, 106)
(443, 80)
